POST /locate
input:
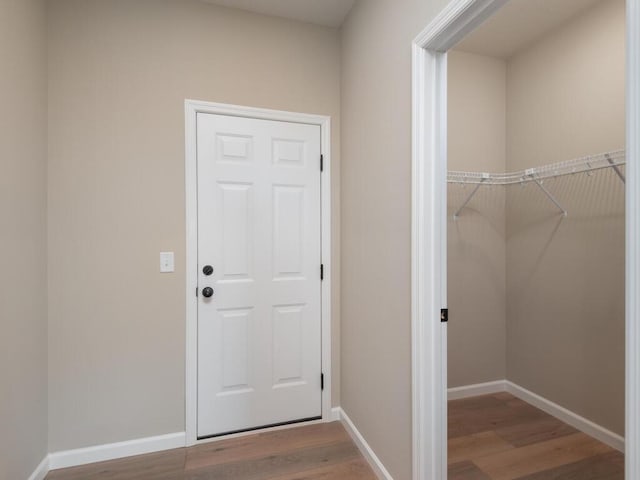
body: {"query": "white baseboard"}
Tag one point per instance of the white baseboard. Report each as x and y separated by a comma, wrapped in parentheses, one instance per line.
(100, 453)
(83, 456)
(364, 447)
(584, 425)
(335, 414)
(41, 470)
(477, 389)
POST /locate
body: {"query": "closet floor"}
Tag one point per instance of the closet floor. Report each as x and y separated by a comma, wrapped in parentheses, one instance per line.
(500, 437)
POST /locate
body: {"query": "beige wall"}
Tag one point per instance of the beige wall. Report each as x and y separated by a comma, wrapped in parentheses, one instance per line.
(376, 222)
(477, 109)
(23, 266)
(119, 73)
(568, 89)
(565, 334)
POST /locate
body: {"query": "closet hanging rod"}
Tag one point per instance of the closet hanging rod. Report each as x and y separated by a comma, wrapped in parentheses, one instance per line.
(588, 164)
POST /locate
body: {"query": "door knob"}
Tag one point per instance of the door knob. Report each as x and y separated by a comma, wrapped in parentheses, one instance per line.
(207, 292)
(207, 270)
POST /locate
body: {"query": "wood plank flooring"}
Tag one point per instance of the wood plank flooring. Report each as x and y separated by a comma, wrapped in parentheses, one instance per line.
(316, 452)
(493, 437)
(500, 437)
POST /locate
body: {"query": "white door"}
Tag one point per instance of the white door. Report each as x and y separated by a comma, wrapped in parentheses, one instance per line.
(259, 333)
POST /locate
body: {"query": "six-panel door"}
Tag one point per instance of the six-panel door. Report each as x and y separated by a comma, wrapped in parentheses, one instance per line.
(259, 334)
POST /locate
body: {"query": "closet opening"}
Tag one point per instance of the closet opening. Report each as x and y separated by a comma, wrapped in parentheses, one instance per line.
(535, 243)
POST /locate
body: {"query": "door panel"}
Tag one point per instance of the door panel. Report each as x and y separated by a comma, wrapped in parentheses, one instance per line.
(288, 231)
(259, 334)
(236, 232)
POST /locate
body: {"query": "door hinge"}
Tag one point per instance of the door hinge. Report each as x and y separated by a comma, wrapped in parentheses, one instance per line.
(322, 271)
(444, 315)
(322, 381)
(196, 291)
(321, 163)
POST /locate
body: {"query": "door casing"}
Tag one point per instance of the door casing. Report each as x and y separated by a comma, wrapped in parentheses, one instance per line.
(429, 233)
(192, 108)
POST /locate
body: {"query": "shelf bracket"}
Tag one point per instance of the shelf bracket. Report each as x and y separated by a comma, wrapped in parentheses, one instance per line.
(615, 167)
(531, 173)
(485, 177)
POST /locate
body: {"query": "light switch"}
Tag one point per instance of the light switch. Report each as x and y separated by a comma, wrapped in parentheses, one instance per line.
(167, 263)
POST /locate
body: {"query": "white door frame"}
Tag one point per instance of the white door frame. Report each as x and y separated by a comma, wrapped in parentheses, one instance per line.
(192, 108)
(429, 230)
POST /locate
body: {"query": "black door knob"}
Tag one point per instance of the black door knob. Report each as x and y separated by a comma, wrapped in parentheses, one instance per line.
(207, 270)
(207, 292)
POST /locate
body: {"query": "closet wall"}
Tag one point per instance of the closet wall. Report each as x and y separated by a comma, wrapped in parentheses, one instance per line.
(565, 277)
(560, 312)
(477, 240)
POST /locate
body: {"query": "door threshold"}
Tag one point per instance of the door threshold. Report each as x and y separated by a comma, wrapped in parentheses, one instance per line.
(272, 426)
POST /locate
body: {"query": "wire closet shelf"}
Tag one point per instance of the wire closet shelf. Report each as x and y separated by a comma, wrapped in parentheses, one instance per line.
(570, 167)
(537, 175)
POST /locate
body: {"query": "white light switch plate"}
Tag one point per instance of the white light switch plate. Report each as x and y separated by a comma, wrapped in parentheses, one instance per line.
(167, 263)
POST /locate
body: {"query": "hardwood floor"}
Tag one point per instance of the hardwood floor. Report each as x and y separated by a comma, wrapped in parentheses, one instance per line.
(493, 437)
(500, 437)
(317, 452)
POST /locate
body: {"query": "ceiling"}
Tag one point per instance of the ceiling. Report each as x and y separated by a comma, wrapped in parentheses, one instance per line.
(329, 13)
(519, 24)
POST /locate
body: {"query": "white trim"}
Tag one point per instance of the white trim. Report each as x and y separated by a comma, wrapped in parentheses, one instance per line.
(191, 269)
(428, 282)
(456, 20)
(336, 414)
(41, 470)
(567, 416)
(632, 428)
(429, 233)
(368, 453)
(428, 335)
(192, 108)
(111, 451)
(468, 391)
